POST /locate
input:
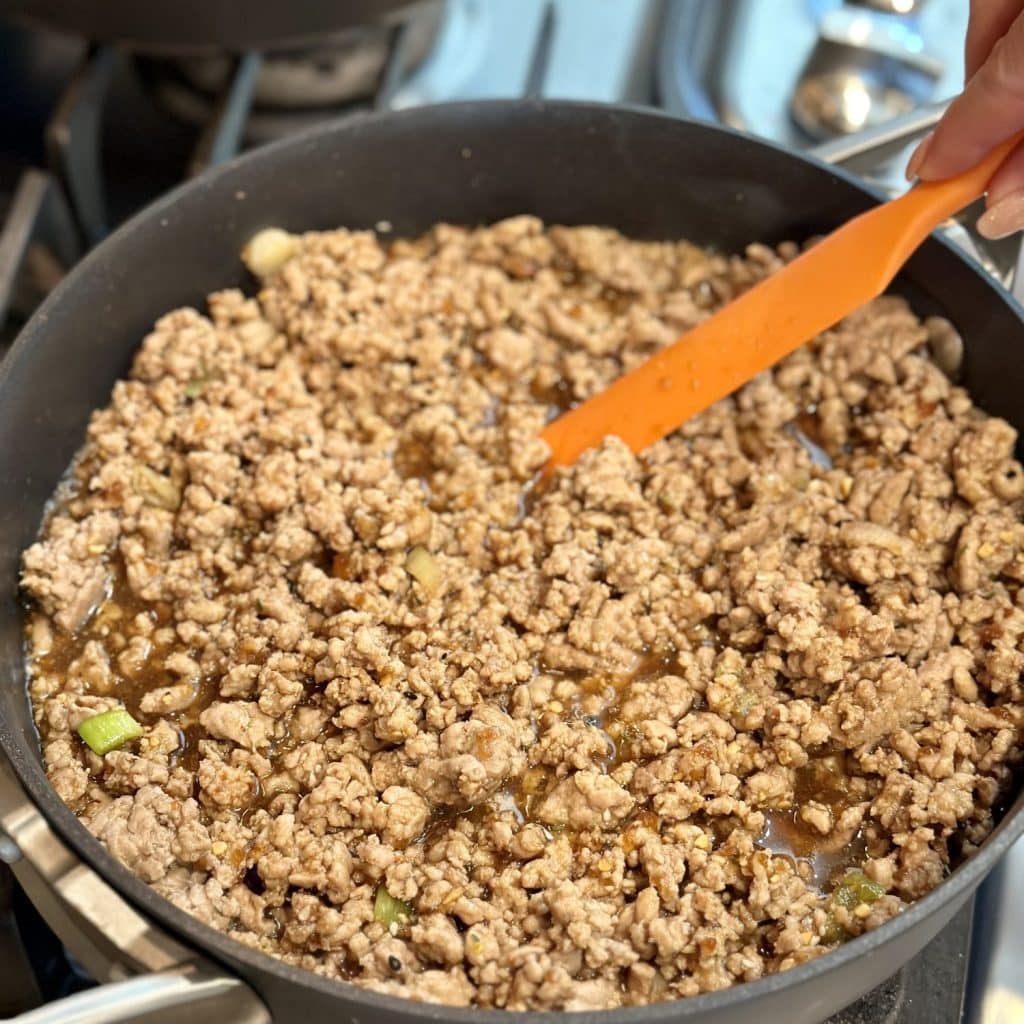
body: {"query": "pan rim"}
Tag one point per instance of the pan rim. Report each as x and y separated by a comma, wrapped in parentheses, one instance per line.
(224, 949)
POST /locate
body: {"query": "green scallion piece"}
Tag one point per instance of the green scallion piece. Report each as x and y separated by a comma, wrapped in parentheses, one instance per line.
(833, 931)
(856, 888)
(109, 730)
(390, 911)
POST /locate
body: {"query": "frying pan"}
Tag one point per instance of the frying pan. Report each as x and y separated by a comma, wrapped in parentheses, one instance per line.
(204, 26)
(646, 174)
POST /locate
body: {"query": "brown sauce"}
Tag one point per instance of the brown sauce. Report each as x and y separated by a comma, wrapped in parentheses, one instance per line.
(597, 699)
(192, 732)
(112, 626)
(529, 496)
(557, 396)
(825, 781)
(413, 459)
(526, 792)
(808, 423)
(652, 665)
(806, 428)
(108, 625)
(786, 835)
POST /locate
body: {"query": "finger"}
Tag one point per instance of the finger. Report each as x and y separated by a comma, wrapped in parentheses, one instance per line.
(1005, 199)
(989, 22)
(918, 156)
(1009, 178)
(987, 112)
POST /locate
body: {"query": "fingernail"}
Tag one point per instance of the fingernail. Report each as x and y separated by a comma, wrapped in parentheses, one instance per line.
(917, 157)
(1004, 217)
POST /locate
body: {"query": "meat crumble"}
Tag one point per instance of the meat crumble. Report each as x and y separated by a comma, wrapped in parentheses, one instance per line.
(671, 722)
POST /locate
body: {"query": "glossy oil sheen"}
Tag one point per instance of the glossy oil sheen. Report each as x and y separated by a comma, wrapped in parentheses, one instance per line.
(647, 175)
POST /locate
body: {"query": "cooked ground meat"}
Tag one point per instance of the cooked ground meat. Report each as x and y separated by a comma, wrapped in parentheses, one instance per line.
(671, 722)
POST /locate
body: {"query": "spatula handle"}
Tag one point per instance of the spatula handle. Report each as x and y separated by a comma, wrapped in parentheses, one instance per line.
(929, 203)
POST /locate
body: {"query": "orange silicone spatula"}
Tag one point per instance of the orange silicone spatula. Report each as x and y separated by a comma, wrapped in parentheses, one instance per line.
(843, 271)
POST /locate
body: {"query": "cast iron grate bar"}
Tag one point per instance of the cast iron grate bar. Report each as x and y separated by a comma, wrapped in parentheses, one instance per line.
(541, 56)
(74, 141)
(394, 68)
(38, 215)
(221, 138)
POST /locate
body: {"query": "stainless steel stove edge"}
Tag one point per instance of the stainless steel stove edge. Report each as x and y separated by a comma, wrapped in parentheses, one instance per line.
(996, 982)
(149, 975)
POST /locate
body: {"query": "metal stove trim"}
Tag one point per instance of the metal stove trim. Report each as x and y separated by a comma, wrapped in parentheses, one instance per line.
(150, 975)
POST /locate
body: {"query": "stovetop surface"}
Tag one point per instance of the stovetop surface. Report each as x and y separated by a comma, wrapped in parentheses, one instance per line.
(931, 989)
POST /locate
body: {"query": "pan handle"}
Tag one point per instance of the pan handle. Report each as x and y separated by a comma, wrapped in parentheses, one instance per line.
(150, 975)
(167, 997)
(866, 149)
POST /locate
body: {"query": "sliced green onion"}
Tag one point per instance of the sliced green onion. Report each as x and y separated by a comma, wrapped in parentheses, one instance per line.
(155, 489)
(109, 730)
(194, 388)
(833, 931)
(856, 888)
(390, 911)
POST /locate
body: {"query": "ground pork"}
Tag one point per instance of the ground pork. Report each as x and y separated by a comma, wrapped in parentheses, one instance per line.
(666, 723)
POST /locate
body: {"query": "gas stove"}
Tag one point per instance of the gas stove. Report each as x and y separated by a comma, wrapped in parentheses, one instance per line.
(95, 132)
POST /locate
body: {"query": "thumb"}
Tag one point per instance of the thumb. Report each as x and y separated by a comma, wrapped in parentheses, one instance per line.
(988, 23)
(987, 112)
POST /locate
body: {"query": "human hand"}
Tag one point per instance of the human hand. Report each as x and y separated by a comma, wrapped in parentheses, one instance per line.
(988, 111)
